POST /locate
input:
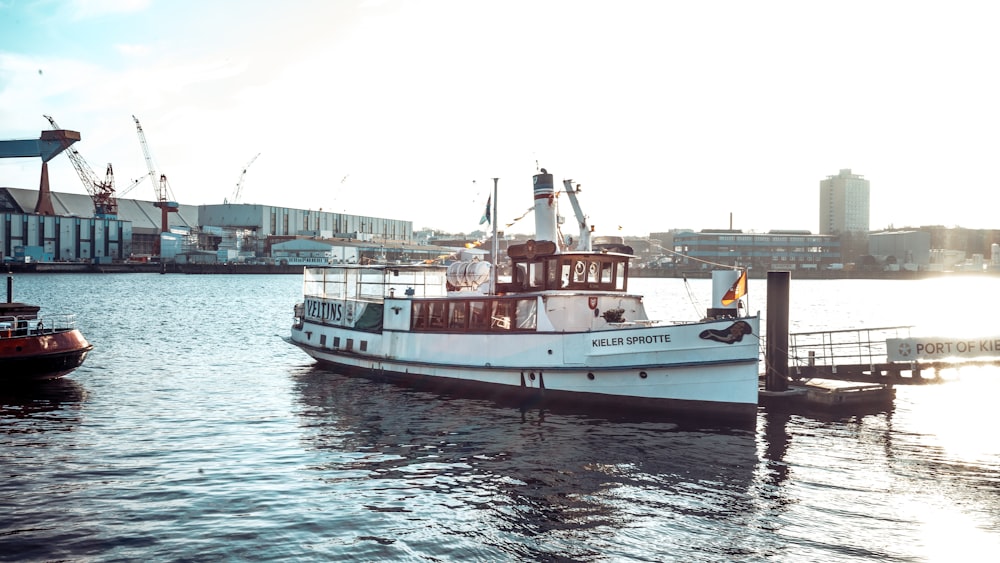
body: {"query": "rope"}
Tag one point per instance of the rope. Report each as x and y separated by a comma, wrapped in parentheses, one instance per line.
(709, 262)
(691, 297)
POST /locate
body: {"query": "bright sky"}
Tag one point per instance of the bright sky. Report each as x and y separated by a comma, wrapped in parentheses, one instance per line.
(670, 114)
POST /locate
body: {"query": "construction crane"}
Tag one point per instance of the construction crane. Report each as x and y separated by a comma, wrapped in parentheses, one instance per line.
(102, 193)
(164, 196)
(134, 183)
(239, 184)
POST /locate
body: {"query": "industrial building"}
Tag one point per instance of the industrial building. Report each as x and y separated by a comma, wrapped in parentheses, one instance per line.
(262, 225)
(908, 249)
(100, 227)
(133, 232)
(309, 251)
(224, 232)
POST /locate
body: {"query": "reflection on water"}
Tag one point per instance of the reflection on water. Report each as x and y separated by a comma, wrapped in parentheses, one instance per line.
(528, 483)
(194, 433)
(533, 483)
(40, 406)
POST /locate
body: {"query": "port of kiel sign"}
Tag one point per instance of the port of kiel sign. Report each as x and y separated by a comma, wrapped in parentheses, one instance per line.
(934, 348)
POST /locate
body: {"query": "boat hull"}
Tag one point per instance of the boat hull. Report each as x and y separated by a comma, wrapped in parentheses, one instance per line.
(42, 356)
(536, 396)
(681, 375)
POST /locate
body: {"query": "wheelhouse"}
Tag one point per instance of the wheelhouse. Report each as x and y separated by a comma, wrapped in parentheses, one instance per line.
(535, 266)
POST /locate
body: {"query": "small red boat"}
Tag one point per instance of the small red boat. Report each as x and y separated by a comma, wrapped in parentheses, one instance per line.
(34, 347)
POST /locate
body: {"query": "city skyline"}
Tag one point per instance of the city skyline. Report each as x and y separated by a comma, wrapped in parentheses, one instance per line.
(669, 115)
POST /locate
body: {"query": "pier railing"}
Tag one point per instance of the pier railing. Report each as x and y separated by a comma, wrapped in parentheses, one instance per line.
(873, 355)
(845, 352)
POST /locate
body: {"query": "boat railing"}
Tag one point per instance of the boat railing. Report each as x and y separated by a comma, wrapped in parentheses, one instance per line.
(11, 326)
(359, 282)
(866, 346)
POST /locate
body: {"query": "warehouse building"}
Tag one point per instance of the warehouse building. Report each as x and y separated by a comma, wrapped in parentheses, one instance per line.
(233, 231)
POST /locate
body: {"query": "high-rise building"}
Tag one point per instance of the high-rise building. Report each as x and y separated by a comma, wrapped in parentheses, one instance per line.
(843, 204)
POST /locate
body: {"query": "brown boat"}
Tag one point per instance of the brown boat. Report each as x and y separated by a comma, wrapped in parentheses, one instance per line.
(34, 347)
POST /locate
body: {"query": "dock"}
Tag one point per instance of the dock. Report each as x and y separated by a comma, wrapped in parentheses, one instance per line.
(844, 370)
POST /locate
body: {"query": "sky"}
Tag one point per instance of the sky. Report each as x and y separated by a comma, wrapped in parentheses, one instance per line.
(669, 114)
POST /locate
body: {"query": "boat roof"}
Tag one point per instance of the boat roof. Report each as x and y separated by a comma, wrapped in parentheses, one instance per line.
(12, 308)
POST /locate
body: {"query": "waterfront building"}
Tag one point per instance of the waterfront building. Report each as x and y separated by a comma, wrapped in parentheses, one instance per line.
(72, 233)
(259, 223)
(142, 217)
(774, 250)
(844, 202)
(45, 238)
(907, 250)
(303, 251)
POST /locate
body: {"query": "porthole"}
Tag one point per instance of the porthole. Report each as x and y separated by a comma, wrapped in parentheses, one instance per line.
(643, 375)
(590, 376)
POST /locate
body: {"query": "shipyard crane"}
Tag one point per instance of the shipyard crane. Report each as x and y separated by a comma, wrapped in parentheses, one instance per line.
(134, 183)
(164, 196)
(103, 193)
(239, 184)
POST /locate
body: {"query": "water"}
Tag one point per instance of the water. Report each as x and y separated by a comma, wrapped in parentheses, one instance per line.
(195, 433)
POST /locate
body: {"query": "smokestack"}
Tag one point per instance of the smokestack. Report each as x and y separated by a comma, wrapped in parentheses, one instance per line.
(545, 208)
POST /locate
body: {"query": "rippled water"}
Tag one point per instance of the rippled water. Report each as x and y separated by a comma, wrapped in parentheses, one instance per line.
(194, 432)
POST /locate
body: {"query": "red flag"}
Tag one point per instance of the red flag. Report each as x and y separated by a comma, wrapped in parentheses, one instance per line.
(739, 289)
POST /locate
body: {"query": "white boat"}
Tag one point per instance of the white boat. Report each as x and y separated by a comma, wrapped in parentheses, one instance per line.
(564, 330)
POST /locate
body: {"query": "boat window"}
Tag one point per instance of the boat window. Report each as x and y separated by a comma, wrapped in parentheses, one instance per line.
(593, 275)
(607, 272)
(371, 318)
(457, 315)
(419, 314)
(478, 317)
(564, 274)
(580, 271)
(527, 319)
(436, 314)
(552, 274)
(500, 319)
(620, 276)
(519, 277)
(536, 275)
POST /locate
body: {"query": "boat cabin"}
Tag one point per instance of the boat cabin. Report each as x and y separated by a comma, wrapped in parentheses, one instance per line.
(536, 266)
(433, 299)
(17, 318)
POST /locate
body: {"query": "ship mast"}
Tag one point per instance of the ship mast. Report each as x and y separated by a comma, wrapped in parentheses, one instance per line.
(496, 243)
